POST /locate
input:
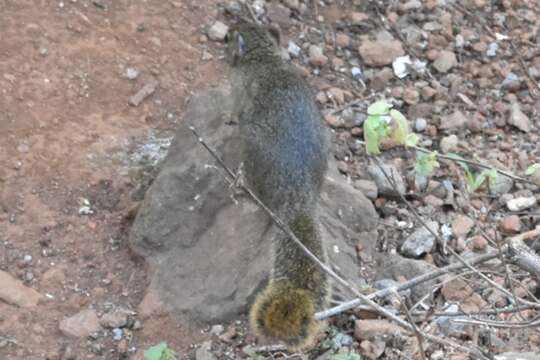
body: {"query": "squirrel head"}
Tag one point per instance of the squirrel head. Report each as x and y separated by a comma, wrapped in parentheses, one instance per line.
(248, 43)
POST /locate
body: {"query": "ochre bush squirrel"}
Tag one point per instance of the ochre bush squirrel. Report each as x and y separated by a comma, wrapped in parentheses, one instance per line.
(284, 157)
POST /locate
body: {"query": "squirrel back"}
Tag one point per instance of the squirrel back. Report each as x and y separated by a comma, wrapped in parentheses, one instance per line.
(284, 147)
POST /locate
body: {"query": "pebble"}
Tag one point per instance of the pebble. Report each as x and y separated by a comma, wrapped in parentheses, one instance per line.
(518, 119)
(131, 73)
(81, 324)
(217, 329)
(449, 143)
(411, 96)
(420, 242)
(115, 319)
(445, 61)
(511, 82)
(510, 224)
(316, 56)
(384, 187)
(478, 243)
(293, 49)
(343, 40)
(521, 203)
(380, 80)
(492, 49)
(433, 201)
(12, 291)
(337, 94)
(452, 121)
(369, 329)
(218, 31)
(420, 124)
(501, 185)
(380, 52)
(356, 73)
(462, 225)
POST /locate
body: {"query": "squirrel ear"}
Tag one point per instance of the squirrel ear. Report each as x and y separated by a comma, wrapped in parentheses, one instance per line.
(275, 32)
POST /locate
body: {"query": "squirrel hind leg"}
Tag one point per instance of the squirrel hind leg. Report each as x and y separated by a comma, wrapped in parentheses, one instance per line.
(285, 313)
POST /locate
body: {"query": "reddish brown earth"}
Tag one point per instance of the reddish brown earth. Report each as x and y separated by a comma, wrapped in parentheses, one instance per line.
(64, 124)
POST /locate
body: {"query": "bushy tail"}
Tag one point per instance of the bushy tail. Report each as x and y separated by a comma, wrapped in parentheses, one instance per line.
(284, 313)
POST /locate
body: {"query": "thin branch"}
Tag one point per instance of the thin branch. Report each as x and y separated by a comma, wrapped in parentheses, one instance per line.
(404, 286)
(381, 310)
(416, 330)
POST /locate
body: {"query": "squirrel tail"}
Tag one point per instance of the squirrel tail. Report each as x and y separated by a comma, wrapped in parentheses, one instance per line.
(285, 310)
(285, 313)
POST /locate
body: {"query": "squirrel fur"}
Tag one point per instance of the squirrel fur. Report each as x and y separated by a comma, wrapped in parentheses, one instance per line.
(284, 158)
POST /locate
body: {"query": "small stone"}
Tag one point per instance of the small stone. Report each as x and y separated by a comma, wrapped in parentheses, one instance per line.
(492, 49)
(81, 324)
(316, 56)
(278, 13)
(332, 120)
(420, 124)
(511, 82)
(218, 31)
(433, 201)
(411, 96)
(421, 241)
(337, 94)
(131, 73)
(115, 319)
(521, 203)
(293, 49)
(445, 61)
(449, 143)
(217, 329)
(343, 40)
(380, 80)
(518, 119)
(462, 225)
(510, 224)
(501, 185)
(370, 329)
(358, 18)
(380, 52)
(452, 121)
(14, 292)
(321, 97)
(428, 92)
(456, 290)
(478, 243)
(356, 73)
(383, 185)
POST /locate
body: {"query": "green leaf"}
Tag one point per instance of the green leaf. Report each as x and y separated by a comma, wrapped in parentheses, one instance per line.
(532, 169)
(159, 352)
(350, 356)
(426, 163)
(379, 108)
(411, 140)
(401, 126)
(372, 135)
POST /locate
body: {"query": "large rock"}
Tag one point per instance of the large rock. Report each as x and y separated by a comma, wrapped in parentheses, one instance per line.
(209, 253)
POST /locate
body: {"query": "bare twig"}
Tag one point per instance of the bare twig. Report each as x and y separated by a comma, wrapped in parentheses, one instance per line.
(416, 330)
(404, 286)
(379, 309)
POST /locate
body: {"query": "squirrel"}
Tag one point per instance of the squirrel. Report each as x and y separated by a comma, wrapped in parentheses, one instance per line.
(284, 163)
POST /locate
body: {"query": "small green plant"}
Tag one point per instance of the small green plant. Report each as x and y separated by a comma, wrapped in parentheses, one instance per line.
(426, 163)
(385, 122)
(475, 179)
(159, 352)
(531, 170)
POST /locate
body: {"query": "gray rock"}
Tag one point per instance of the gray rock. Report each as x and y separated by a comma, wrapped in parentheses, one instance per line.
(518, 356)
(383, 185)
(454, 120)
(367, 187)
(521, 203)
(294, 49)
(445, 61)
(518, 119)
(397, 267)
(218, 31)
(210, 254)
(501, 185)
(450, 327)
(420, 242)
